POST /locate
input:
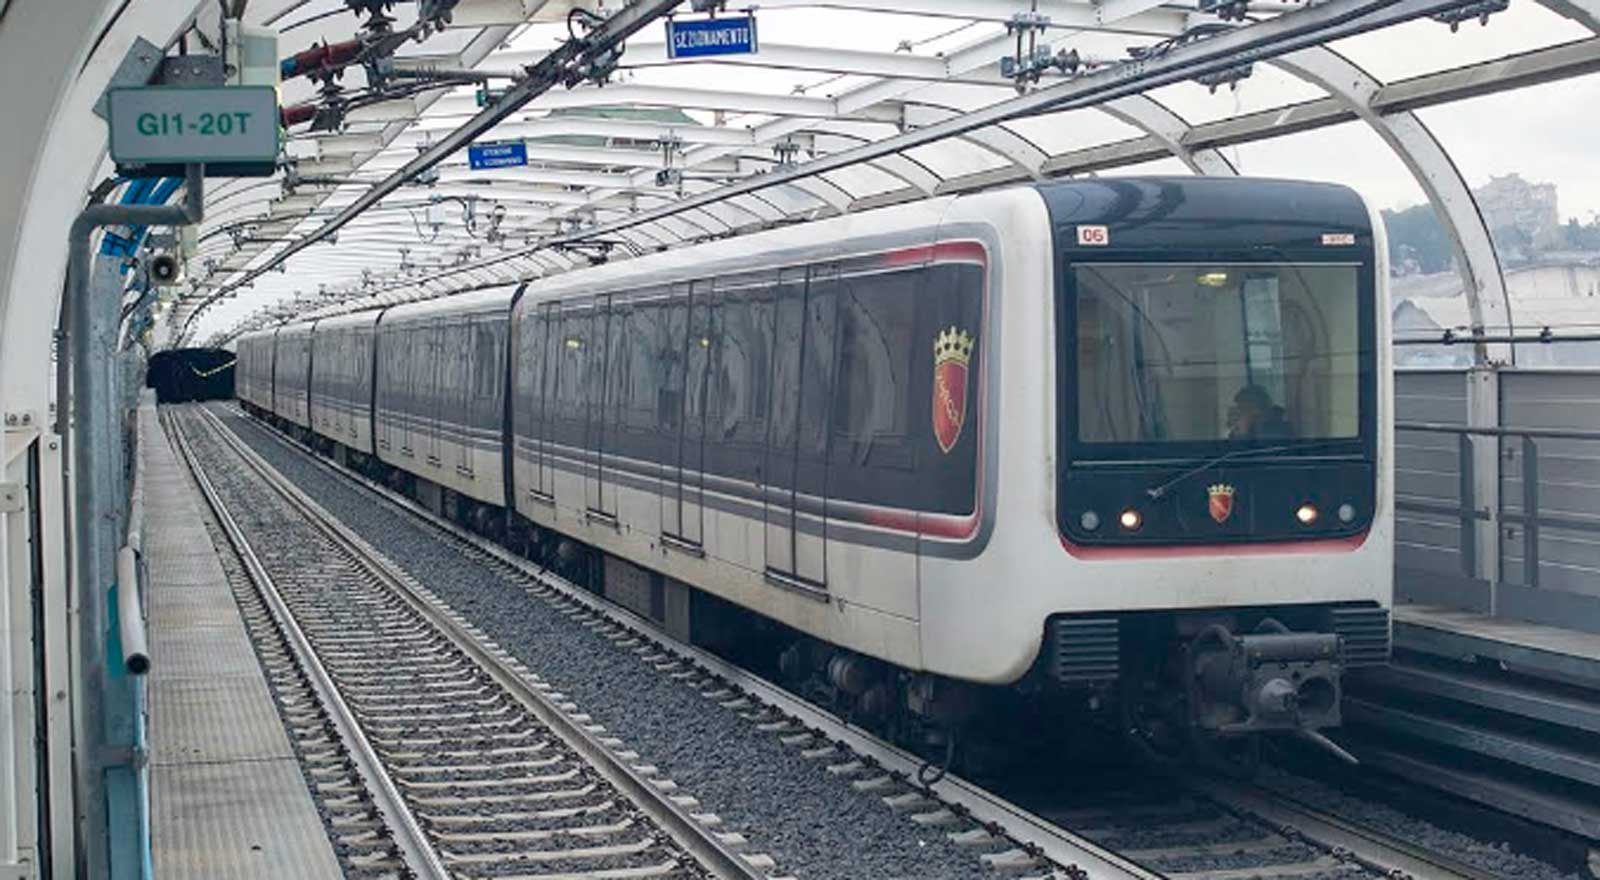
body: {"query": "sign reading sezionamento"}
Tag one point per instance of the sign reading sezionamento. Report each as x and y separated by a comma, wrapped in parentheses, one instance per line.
(169, 125)
(703, 37)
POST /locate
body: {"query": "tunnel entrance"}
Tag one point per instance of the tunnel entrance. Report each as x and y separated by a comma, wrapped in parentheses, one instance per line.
(187, 374)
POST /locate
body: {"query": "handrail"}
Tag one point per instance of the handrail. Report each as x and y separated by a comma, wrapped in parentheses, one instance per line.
(1467, 508)
(1538, 433)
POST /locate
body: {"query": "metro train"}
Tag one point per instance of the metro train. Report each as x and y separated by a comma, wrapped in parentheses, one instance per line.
(1119, 443)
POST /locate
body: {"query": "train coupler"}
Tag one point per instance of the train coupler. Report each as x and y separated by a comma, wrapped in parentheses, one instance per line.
(1269, 680)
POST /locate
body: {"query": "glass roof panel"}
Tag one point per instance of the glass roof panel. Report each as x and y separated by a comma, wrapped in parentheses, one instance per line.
(954, 158)
(1070, 130)
(1425, 46)
(1350, 153)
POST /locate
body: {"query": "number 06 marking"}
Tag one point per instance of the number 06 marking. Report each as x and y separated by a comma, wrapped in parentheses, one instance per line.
(1093, 236)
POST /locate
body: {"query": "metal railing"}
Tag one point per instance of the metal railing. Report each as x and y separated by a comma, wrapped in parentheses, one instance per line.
(1466, 510)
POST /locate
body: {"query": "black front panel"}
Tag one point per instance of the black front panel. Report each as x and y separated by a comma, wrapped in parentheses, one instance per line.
(1260, 502)
(1216, 360)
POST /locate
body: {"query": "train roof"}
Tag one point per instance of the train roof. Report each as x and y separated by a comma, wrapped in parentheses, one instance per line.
(492, 299)
(354, 319)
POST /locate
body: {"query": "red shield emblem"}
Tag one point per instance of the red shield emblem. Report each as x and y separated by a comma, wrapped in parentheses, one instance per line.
(1220, 502)
(952, 355)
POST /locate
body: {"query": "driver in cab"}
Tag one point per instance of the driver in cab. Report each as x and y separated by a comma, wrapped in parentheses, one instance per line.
(1255, 417)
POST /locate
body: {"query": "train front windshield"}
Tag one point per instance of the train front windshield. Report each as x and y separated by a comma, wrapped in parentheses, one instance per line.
(1216, 356)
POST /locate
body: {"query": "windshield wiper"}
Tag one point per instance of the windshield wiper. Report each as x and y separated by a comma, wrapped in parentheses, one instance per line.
(1159, 491)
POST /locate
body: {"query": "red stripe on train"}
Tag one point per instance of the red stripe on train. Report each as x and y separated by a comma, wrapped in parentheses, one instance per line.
(962, 251)
(1264, 548)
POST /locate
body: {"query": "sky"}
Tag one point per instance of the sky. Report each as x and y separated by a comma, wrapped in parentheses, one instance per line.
(1545, 133)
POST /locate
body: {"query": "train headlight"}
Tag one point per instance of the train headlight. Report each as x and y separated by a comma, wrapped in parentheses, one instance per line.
(1131, 519)
(1347, 512)
(1307, 514)
(1090, 520)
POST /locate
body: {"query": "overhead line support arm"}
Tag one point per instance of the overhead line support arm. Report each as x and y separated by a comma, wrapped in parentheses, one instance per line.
(567, 65)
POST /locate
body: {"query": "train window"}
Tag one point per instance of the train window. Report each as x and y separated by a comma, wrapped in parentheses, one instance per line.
(485, 360)
(818, 360)
(1234, 353)
(618, 369)
(670, 351)
(571, 416)
(877, 322)
(528, 356)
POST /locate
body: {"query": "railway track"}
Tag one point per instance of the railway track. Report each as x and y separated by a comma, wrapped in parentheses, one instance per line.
(1197, 828)
(471, 764)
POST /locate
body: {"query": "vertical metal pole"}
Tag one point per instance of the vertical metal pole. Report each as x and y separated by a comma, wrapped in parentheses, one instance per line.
(106, 760)
(1469, 506)
(1530, 512)
(1483, 411)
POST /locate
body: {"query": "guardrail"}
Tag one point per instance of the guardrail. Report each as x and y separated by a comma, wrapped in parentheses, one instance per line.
(1519, 510)
(1466, 508)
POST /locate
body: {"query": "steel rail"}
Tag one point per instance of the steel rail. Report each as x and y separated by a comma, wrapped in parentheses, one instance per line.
(696, 839)
(1055, 843)
(570, 62)
(1375, 849)
(416, 850)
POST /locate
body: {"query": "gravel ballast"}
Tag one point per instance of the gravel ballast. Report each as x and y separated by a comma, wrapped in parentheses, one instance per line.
(813, 824)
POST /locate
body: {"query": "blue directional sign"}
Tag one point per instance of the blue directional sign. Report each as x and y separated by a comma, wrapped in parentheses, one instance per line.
(497, 155)
(703, 37)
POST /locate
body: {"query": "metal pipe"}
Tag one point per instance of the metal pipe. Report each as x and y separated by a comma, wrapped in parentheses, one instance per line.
(1546, 433)
(1546, 336)
(90, 335)
(130, 614)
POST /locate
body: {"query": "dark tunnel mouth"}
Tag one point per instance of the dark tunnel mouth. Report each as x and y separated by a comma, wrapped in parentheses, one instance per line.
(191, 374)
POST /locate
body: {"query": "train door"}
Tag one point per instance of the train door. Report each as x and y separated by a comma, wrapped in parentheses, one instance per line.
(432, 398)
(688, 334)
(472, 346)
(797, 436)
(547, 336)
(608, 365)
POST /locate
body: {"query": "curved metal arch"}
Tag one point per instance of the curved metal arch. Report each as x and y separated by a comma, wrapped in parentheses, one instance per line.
(1012, 148)
(825, 191)
(1488, 302)
(908, 170)
(760, 208)
(1162, 123)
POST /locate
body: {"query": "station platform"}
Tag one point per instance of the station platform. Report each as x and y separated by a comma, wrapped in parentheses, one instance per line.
(227, 798)
(1529, 648)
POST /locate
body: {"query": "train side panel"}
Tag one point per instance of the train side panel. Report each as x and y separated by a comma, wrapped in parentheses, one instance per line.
(750, 469)
(341, 383)
(292, 374)
(440, 387)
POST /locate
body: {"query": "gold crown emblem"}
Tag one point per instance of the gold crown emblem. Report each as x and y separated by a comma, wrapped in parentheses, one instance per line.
(953, 345)
(1220, 489)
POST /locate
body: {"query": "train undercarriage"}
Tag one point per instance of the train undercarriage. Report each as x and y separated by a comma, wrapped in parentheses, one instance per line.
(1179, 687)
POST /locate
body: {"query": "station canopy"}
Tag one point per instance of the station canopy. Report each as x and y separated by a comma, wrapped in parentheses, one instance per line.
(848, 105)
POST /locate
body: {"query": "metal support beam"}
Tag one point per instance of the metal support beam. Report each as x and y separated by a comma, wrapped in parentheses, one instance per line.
(1488, 304)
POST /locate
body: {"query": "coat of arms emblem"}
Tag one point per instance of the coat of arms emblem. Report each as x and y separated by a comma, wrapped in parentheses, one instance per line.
(952, 356)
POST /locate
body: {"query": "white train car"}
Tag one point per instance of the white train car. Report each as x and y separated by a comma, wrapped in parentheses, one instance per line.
(253, 371)
(291, 374)
(440, 392)
(342, 350)
(1125, 437)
